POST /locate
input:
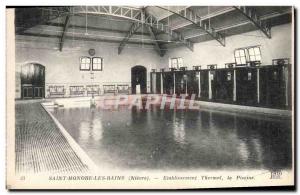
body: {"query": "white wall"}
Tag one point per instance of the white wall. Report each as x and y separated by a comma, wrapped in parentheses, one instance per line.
(211, 52)
(63, 67)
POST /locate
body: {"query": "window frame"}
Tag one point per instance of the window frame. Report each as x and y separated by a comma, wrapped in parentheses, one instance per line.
(172, 59)
(177, 63)
(248, 57)
(255, 55)
(181, 62)
(80, 63)
(240, 57)
(97, 63)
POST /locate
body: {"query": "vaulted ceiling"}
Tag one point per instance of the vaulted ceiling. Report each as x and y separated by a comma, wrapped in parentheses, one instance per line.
(162, 27)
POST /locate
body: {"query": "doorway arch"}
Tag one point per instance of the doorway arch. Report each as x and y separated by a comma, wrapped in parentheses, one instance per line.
(139, 77)
(32, 81)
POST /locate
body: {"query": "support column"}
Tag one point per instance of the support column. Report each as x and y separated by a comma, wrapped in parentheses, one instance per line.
(161, 83)
(234, 85)
(199, 84)
(174, 84)
(286, 82)
(258, 95)
(186, 88)
(209, 86)
(153, 83)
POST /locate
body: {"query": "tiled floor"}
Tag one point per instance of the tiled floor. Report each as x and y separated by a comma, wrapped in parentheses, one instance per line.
(40, 146)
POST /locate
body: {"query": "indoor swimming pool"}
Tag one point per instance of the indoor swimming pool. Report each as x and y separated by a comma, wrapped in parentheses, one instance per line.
(179, 139)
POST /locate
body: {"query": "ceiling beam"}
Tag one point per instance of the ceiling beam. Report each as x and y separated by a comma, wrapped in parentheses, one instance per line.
(65, 28)
(252, 16)
(37, 16)
(80, 38)
(130, 13)
(171, 13)
(206, 17)
(217, 13)
(223, 28)
(192, 17)
(134, 27)
(93, 28)
(133, 14)
(158, 48)
(178, 37)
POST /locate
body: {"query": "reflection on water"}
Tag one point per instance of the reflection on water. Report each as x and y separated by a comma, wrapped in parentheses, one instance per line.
(243, 151)
(178, 129)
(91, 129)
(169, 139)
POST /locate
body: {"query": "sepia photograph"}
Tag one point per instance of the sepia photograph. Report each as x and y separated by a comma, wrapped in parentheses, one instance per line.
(150, 97)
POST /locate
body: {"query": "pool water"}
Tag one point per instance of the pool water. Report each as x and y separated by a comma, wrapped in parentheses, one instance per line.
(179, 139)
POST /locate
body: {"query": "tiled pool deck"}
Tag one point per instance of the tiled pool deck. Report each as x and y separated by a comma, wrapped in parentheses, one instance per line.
(40, 146)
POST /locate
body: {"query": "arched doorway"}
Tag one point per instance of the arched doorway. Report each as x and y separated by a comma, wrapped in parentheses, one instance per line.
(32, 81)
(139, 78)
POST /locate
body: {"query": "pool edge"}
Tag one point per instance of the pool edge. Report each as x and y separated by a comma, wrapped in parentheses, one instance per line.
(81, 154)
(244, 109)
(216, 106)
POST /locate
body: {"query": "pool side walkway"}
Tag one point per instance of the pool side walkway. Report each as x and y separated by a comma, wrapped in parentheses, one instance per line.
(39, 145)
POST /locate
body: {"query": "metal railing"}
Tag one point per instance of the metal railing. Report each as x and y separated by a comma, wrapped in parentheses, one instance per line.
(80, 89)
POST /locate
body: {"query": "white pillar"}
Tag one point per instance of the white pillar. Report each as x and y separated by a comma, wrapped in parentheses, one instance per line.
(161, 83)
(174, 90)
(153, 82)
(286, 80)
(199, 84)
(258, 98)
(209, 86)
(234, 85)
(186, 87)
